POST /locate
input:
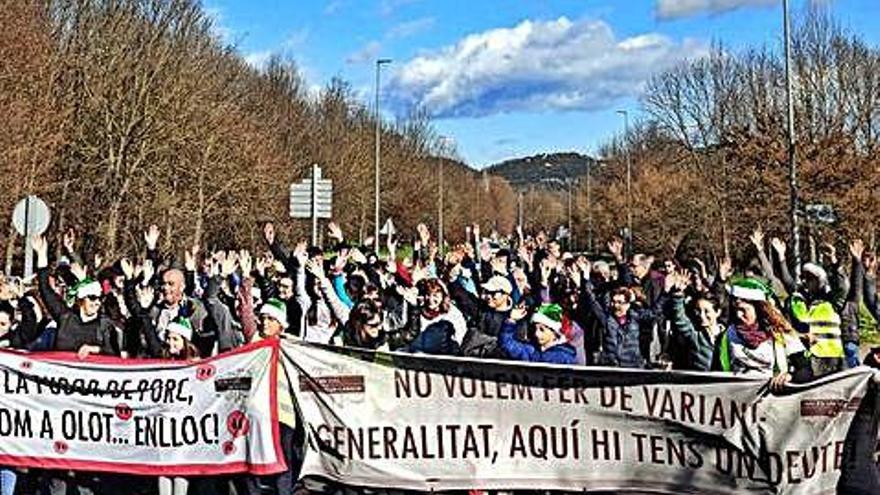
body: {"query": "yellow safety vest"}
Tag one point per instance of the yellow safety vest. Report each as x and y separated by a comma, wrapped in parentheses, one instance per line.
(824, 325)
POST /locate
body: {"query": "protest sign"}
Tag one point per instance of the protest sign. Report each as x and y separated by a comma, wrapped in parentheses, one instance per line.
(142, 417)
(431, 423)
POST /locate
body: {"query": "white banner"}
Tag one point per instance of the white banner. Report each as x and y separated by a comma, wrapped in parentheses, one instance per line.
(429, 423)
(142, 417)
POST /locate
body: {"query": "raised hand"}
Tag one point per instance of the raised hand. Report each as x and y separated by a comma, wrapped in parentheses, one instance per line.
(68, 240)
(262, 263)
(518, 312)
(269, 233)
(98, 262)
(757, 239)
(316, 268)
(357, 256)
(616, 248)
(78, 271)
(228, 264)
(41, 248)
(857, 249)
(778, 246)
(151, 236)
(830, 252)
(245, 261)
(409, 294)
(300, 253)
(189, 259)
(127, 268)
(148, 270)
(725, 269)
(334, 232)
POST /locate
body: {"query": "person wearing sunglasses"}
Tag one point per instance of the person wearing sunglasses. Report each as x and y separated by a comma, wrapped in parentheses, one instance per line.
(82, 328)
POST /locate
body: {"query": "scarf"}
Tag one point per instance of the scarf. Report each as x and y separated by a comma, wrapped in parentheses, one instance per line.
(752, 335)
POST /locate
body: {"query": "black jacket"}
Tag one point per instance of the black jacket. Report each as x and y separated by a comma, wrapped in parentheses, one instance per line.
(73, 332)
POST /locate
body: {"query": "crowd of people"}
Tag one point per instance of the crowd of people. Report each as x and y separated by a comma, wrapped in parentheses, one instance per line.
(520, 298)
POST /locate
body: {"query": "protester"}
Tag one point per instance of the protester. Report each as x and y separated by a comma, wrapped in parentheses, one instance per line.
(760, 340)
(548, 343)
(521, 298)
(695, 326)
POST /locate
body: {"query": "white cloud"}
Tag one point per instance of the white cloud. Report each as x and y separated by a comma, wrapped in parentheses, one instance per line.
(535, 66)
(218, 27)
(409, 28)
(673, 9)
(258, 60)
(365, 54)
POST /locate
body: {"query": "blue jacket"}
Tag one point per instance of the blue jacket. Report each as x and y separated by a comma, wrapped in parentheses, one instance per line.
(525, 351)
(623, 343)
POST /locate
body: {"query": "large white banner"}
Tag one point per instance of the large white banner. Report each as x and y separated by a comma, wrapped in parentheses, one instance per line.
(143, 417)
(429, 423)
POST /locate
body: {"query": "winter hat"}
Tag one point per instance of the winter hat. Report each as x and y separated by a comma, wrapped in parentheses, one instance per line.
(816, 271)
(498, 284)
(549, 315)
(182, 327)
(749, 289)
(276, 310)
(88, 287)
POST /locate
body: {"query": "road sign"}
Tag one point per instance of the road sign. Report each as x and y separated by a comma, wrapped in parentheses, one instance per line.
(388, 229)
(30, 217)
(312, 198)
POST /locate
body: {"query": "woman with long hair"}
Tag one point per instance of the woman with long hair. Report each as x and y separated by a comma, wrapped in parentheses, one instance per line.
(759, 340)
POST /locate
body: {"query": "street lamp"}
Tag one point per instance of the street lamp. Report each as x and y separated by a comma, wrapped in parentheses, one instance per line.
(792, 163)
(629, 221)
(379, 63)
(446, 145)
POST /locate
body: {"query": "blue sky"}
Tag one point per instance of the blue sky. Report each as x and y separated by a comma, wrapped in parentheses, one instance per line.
(509, 78)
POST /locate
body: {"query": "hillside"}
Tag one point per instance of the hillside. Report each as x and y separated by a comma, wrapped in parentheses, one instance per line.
(547, 170)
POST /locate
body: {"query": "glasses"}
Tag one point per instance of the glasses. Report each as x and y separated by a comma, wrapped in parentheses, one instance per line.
(285, 287)
(93, 298)
(619, 302)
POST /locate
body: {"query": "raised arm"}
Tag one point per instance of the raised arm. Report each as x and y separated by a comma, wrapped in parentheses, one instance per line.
(53, 302)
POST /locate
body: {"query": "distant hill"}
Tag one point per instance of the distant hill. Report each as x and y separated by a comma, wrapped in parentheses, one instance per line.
(546, 170)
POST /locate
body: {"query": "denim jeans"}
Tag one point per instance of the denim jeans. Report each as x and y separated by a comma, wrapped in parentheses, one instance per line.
(851, 351)
(7, 481)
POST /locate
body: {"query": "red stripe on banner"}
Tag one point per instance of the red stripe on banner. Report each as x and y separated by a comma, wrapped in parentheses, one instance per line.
(143, 469)
(273, 403)
(170, 469)
(71, 357)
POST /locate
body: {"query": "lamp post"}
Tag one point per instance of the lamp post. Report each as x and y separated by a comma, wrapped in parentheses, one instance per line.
(629, 226)
(446, 150)
(379, 63)
(589, 207)
(569, 182)
(792, 157)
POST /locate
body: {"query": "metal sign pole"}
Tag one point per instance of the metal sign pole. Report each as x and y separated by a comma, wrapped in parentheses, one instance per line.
(315, 173)
(28, 248)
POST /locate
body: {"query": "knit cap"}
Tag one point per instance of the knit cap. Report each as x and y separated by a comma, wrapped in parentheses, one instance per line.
(549, 315)
(275, 309)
